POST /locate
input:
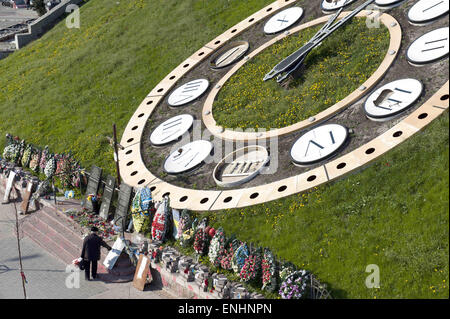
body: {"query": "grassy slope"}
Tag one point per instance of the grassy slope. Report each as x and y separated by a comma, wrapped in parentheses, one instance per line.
(58, 90)
(67, 88)
(393, 214)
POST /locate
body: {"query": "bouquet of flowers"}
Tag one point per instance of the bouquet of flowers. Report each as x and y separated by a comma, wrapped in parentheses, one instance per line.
(76, 174)
(286, 270)
(88, 219)
(10, 152)
(269, 271)
(34, 161)
(44, 158)
(252, 267)
(59, 160)
(239, 257)
(18, 155)
(26, 157)
(217, 247)
(188, 229)
(230, 248)
(201, 242)
(185, 221)
(161, 220)
(50, 166)
(140, 210)
(295, 286)
(67, 170)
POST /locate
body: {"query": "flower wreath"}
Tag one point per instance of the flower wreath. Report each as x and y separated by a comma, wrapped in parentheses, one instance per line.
(230, 248)
(269, 271)
(238, 260)
(251, 271)
(217, 247)
(295, 286)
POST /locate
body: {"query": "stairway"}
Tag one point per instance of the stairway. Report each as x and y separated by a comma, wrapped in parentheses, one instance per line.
(63, 238)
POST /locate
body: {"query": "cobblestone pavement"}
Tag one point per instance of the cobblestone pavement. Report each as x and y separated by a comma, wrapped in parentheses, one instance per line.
(9, 16)
(47, 276)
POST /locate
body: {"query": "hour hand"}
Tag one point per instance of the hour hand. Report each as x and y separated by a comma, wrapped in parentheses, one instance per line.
(282, 77)
(291, 61)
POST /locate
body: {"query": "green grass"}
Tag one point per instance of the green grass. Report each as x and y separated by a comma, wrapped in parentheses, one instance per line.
(68, 88)
(394, 214)
(350, 55)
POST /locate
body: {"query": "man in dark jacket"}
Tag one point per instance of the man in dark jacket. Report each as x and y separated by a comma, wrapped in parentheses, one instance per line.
(91, 252)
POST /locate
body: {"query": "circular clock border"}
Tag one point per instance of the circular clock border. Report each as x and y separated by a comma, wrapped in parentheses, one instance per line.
(218, 131)
(136, 174)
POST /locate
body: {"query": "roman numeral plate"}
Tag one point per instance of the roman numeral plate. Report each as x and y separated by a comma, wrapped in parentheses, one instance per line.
(430, 47)
(229, 55)
(392, 99)
(387, 3)
(188, 92)
(240, 166)
(283, 20)
(426, 11)
(319, 144)
(171, 129)
(330, 5)
(188, 157)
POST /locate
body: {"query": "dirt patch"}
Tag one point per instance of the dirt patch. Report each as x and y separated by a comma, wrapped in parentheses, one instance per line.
(433, 76)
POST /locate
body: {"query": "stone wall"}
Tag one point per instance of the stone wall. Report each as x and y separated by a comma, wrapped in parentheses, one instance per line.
(4, 54)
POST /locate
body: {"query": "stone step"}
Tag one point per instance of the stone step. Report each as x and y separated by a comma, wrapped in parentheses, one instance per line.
(47, 243)
(63, 224)
(69, 229)
(56, 236)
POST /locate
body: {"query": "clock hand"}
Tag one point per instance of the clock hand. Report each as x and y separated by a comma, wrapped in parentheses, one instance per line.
(281, 78)
(292, 60)
(303, 50)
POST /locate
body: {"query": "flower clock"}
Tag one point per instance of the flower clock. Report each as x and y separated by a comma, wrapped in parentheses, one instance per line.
(298, 94)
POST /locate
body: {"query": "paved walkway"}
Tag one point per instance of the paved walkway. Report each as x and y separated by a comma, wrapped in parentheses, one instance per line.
(9, 16)
(47, 276)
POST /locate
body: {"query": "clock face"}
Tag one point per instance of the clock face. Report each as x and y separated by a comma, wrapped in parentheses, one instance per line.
(170, 152)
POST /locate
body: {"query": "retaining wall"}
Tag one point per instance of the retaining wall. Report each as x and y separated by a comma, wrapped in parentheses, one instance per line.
(43, 24)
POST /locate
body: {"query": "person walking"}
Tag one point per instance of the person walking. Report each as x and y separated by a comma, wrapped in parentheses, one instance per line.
(90, 252)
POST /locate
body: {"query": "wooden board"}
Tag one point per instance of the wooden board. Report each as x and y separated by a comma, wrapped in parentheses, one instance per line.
(123, 205)
(9, 186)
(92, 187)
(26, 198)
(108, 193)
(142, 272)
(114, 253)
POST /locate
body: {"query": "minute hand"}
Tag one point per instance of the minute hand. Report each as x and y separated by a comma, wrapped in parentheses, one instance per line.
(292, 60)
